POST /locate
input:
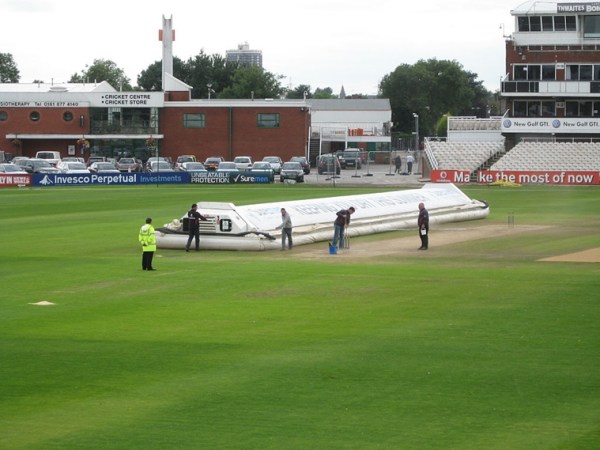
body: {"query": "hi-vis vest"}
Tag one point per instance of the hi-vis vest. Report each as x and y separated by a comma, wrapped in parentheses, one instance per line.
(147, 237)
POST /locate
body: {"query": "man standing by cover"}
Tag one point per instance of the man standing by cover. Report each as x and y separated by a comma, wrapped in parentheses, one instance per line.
(423, 223)
(194, 218)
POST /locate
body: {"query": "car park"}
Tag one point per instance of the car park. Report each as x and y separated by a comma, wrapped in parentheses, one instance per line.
(292, 171)
(303, 162)
(192, 166)
(127, 164)
(329, 164)
(72, 167)
(275, 162)
(243, 162)
(103, 167)
(36, 165)
(212, 163)
(11, 169)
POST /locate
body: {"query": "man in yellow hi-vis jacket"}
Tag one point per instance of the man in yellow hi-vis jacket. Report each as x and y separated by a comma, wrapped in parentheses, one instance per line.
(148, 241)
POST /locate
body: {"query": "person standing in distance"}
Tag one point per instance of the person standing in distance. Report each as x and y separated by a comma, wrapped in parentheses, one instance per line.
(148, 241)
(398, 163)
(286, 229)
(423, 223)
(194, 218)
(342, 220)
(409, 163)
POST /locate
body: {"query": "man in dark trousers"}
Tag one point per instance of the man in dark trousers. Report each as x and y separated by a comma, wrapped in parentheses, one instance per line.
(342, 220)
(423, 223)
(398, 163)
(194, 218)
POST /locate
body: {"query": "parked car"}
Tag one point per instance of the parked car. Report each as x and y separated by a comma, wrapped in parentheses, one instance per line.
(192, 166)
(103, 167)
(243, 162)
(276, 163)
(212, 163)
(227, 166)
(263, 166)
(72, 167)
(329, 163)
(154, 159)
(19, 160)
(92, 159)
(292, 171)
(350, 158)
(160, 166)
(183, 159)
(73, 159)
(11, 169)
(51, 156)
(35, 165)
(127, 164)
(303, 162)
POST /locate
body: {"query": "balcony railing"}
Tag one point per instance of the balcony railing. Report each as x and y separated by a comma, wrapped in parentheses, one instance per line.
(551, 87)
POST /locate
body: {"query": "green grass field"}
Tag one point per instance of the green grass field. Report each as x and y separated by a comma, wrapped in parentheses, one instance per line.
(473, 345)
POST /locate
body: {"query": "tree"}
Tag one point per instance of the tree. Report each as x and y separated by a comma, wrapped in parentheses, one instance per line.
(8, 69)
(151, 78)
(301, 91)
(103, 70)
(324, 93)
(253, 82)
(430, 89)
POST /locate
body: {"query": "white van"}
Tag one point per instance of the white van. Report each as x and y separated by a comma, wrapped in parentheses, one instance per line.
(52, 157)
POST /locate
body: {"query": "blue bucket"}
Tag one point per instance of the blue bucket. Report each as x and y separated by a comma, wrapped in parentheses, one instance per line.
(332, 249)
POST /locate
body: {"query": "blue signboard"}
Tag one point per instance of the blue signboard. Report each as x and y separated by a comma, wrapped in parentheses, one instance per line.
(106, 179)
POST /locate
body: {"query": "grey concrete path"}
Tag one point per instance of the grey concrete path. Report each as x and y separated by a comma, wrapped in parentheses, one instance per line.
(375, 174)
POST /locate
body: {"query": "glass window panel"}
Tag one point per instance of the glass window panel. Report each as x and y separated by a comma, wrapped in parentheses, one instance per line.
(523, 22)
(519, 108)
(572, 72)
(534, 109)
(268, 120)
(194, 120)
(585, 109)
(533, 72)
(548, 109)
(571, 109)
(535, 23)
(547, 23)
(596, 110)
(520, 72)
(560, 23)
(548, 72)
(585, 72)
(571, 23)
(591, 26)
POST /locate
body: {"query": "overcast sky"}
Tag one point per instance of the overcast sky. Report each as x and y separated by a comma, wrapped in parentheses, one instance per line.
(322, 43)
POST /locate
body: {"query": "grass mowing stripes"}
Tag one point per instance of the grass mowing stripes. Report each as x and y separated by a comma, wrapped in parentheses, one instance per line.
(478, 345)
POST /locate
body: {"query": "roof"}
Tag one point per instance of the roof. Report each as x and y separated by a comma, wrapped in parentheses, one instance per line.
(370, 104)
(534, 7)
(56, 87)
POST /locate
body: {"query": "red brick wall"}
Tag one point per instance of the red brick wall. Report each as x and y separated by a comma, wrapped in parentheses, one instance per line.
(51, 122)
(232, 132)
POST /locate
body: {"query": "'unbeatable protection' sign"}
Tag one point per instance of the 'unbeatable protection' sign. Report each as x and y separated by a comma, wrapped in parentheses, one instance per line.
(230, 177)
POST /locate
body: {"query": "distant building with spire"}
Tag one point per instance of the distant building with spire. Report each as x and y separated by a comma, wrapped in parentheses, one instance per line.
(342, 93)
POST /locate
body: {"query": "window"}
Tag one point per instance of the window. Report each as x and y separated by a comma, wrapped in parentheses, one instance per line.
(548, 72)
(34, 116)
(270, 120)
(585, 72)
(547, 23)
(194, 120)
(520, 72)
(3, 116)
(548, 109)
(591, 26)
(67, 116)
